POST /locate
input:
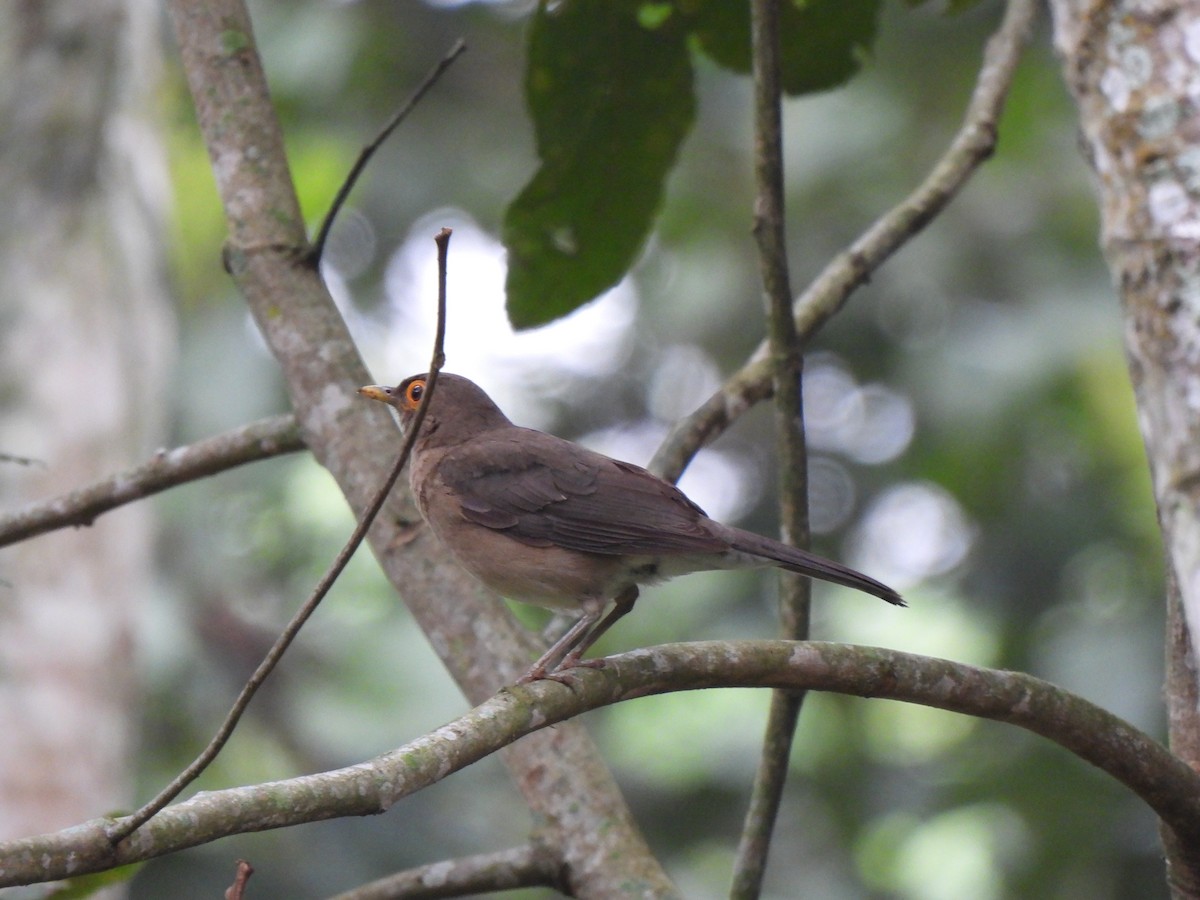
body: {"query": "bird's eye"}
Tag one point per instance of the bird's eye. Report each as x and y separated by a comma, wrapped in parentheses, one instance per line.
(415, 391)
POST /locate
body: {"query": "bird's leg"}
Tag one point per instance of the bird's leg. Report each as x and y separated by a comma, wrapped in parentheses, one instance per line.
(567, 652)
(552, 658)
(622, 604)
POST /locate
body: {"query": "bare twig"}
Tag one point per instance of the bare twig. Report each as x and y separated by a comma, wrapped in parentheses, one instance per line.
(167, 468)
(21, 460)
(364, 156)
(531, 865)
(123, 827)
(770, 232)
(973, 143)
(237, 890)
(1167, 784)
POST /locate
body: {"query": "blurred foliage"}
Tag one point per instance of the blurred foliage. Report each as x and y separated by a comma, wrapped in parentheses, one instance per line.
(822, 43)
(609, 88)
(90, 885)
(1014, 504)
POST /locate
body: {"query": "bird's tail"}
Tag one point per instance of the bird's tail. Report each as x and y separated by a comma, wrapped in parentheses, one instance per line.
(793, 559)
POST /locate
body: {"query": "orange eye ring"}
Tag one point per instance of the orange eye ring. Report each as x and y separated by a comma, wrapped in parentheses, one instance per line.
(414, 391)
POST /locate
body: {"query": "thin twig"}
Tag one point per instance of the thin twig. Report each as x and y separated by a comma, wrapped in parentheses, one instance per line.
(21, 460)
(530, 865)
(166, 469)
(124, 827)
(770, 232)
(237, 890)
(974, 142)
(364, 156)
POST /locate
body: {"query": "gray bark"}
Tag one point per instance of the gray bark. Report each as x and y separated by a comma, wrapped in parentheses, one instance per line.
(1133, 67)
(85, 334)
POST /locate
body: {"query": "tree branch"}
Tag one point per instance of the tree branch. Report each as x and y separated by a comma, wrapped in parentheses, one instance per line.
(532, 865)
(237, 890)
(364, 156)
(1168, 785)
(166, 469)
(787, 361)
(302, 615)
(560, 774)
(973, 143)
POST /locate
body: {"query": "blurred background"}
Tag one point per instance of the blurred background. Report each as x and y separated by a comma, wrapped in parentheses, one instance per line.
(972, 433)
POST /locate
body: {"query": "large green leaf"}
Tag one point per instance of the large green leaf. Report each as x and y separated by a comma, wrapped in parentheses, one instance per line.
(823, 42)
(609, 84)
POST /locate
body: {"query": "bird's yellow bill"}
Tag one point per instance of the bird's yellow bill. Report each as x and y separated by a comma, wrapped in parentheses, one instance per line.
(375, 392)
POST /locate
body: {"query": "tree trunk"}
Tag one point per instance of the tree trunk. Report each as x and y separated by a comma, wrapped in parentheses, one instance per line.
(1132, 67)
(85, 333)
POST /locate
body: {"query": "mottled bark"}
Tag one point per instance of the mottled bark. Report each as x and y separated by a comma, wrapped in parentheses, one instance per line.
(84, 336)
(1134, 69)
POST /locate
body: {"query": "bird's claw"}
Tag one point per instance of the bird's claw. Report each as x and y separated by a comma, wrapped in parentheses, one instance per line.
(560, 673)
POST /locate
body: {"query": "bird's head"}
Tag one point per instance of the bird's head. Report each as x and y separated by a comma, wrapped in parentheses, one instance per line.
(458, 409)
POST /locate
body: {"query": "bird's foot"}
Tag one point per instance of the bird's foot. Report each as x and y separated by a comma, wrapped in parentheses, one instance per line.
(574, 662)
(537, 673)
(561, 672)
(564, 672)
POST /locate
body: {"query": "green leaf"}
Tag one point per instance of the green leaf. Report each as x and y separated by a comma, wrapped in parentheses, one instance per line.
(609, 85)
(823, 42)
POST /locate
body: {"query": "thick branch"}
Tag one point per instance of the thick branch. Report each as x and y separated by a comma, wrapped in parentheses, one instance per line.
(560, 773)
(166, 469)
(974, 143)
(1164, 782)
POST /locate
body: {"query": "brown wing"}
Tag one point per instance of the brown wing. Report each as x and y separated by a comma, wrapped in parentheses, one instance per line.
(544, 491)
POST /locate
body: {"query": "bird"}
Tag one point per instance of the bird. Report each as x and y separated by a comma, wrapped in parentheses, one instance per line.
(546, 521)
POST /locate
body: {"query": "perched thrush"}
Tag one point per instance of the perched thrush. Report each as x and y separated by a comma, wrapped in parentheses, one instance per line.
(546, 521)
